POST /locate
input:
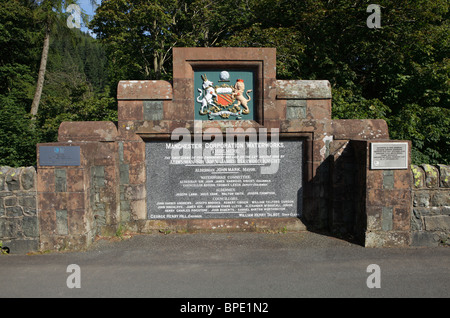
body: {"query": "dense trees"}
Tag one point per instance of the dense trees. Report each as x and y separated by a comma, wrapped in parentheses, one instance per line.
(75, 86)
(398, 72)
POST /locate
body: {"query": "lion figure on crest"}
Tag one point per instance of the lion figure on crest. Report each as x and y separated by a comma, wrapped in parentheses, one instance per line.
(238, 93)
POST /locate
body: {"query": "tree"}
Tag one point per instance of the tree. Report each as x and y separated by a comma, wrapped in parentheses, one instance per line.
(71, 91)
(48, 12)
(140, 34)
(399, 72)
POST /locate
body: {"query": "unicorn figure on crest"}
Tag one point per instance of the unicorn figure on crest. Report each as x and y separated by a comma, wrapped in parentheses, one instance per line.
(210, 95)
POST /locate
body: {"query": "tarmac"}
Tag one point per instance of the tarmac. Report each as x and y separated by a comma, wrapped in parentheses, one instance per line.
(195, 267)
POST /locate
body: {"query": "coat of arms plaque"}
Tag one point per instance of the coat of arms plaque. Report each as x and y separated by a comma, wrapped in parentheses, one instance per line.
(223, 95)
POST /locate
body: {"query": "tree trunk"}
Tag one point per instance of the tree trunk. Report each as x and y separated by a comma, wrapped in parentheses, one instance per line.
(41, 75)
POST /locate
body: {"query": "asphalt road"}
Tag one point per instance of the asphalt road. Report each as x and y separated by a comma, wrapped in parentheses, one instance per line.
(232, 265)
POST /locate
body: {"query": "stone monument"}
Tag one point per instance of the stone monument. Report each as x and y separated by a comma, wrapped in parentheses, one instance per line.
(224, 147)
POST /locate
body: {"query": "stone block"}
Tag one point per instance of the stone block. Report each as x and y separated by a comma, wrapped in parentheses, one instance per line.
(358, 129)
(3, 222)
(14, 211)
(124, 206)
(2, 180)
(60, 180)
(295, 109)
(418, 176)
(318, 109)
(75, 180)
(140, 90)
(424, 239)
(28, 178)
(431, 176)
(445, 210)
(124, 175)
(46, 180)
(272, 110)
(12, 179)
(153, 110)
(47, 222)
(30, 226)
(402, 218)
(421, 199)
(51, 201)
(98, 176)
(386, 218)
(10, 201)
(76, 222)
(62, 225)
(440, 198)
(388, 179)
(379, 239)
(419, 212)
(28, 204)
(23, 246)
(137, 173)
(130, 110)
(75, 201)
(374, 179)
(139, 209)
(444, 176)
(377, 197)
(125, 215)
(133, 152)
(303, 89)
(9, 228)
(87, 131)
(416, 221)
(402, 179)
(437, 223)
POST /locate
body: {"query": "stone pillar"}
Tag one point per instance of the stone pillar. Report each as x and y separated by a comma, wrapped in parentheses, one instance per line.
(77, 202)
(384, 211)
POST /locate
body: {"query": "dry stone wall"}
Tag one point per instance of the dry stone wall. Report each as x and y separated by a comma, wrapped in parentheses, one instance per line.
(430, 220)
(19, 225)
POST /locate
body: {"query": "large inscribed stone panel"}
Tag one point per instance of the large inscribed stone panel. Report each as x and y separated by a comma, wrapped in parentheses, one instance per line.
(224, 180)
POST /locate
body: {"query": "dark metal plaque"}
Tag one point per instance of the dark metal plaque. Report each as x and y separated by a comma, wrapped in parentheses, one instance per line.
(59, 155)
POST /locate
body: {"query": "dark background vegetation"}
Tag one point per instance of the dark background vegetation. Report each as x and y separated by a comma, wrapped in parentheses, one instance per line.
(399, 72)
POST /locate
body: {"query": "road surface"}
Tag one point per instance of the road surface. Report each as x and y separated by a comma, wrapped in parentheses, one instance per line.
(228, 265)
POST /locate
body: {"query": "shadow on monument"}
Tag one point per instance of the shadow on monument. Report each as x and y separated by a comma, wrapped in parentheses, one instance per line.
(332, 202)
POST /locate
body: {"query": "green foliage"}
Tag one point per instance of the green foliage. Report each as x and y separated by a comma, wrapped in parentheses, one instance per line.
(55, 110)
(348, 104)
(76, 86)
(428, 129)
(139, 35)
(17, 138)
(399, 72)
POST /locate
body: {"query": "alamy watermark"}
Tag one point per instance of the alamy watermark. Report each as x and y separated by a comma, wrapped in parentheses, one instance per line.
(74, 19)
(74, 279)
(374, 20)
(374, 279)
(236, 146)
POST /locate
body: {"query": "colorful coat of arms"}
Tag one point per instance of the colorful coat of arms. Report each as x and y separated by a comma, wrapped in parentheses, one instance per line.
(226, 100)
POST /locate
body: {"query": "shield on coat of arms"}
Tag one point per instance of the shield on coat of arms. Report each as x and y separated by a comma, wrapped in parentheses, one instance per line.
(225, 95)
